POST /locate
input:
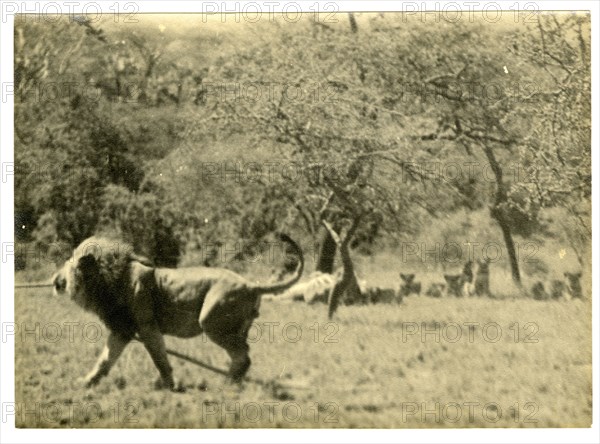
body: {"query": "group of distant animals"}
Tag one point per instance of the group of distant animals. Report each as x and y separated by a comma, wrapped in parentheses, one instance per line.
(319, 285)
(569, 288)
(469, 282)
(473, 281)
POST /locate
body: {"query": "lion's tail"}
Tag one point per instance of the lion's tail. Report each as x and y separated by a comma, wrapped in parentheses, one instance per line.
(281, 286)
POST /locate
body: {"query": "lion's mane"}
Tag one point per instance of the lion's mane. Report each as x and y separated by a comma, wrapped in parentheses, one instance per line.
(105, 267)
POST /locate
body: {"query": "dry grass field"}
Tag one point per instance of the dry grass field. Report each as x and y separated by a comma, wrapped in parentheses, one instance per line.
(424, 363)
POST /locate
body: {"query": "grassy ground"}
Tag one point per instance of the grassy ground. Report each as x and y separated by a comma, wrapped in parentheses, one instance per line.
(375, 366)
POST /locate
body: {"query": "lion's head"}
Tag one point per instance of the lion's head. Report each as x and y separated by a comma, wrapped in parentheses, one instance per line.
(96, 275)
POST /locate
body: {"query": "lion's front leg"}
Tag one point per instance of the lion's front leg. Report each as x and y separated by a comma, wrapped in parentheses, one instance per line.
(154, 342)
(115, 344)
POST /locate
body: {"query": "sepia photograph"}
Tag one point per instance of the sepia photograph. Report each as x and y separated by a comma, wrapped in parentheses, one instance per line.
(301, 218)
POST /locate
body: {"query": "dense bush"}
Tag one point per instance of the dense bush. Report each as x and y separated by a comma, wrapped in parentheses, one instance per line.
(143, 220)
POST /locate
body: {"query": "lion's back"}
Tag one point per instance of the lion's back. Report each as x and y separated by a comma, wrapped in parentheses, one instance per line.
(192, 283)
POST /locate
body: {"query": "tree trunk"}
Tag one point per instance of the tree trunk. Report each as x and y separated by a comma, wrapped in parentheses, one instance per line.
(510, 249)
(326, 254)
(498, 214)
(347, 283)
(353, 24)
(354, 29)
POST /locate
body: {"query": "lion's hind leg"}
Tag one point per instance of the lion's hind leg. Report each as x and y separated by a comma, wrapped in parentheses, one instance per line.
(226, 318)
(237, 348)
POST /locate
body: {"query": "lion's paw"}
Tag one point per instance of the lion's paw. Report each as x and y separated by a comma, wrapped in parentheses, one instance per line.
(174, 385)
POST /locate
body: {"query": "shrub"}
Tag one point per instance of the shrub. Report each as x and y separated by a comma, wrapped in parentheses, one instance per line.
(143, 220)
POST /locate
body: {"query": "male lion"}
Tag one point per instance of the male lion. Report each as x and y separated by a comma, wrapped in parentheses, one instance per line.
(134, 299)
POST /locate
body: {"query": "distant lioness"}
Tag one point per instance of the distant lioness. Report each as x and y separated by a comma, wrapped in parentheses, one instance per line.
(436, 290)
(573, 285)
(409, 285)
(314, 290)
(454, 284)
(134, 299)
(482, 279)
